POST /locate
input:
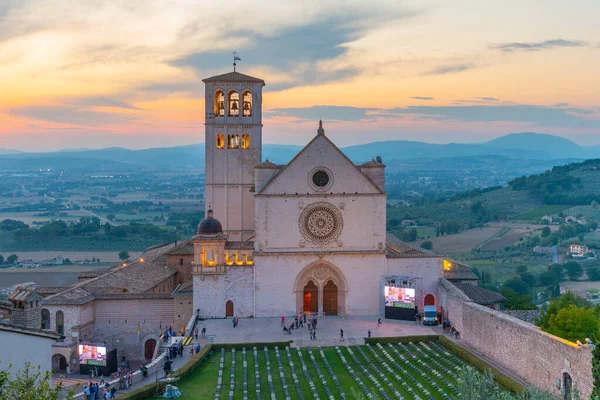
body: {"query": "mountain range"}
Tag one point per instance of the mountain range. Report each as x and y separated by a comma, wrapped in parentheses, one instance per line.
(525, 145)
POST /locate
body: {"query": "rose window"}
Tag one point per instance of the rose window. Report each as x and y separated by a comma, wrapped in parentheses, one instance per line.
(321, 223)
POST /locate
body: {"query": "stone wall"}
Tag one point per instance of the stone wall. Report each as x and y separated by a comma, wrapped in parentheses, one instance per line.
(117, 323)
(519, 347)
(27, 317)
(211, 293)
(428, 269)
(183, 264)
(524, 315)
(182, 308)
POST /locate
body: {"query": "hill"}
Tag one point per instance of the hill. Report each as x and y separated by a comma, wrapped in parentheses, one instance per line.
(554, 146)
(569, 185)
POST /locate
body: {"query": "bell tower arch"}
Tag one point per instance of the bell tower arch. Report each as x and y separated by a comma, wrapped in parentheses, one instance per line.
(233, 140)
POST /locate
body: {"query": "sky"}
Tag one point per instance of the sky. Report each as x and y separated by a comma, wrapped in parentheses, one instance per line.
(96, 73)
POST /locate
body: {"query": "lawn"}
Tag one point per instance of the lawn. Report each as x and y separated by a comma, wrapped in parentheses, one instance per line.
(426, 370)
(538, 213)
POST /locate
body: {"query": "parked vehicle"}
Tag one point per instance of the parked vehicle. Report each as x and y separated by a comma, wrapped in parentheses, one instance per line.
(430, 315)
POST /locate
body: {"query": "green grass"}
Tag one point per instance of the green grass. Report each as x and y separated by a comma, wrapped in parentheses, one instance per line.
(202, 382)
(538, 213)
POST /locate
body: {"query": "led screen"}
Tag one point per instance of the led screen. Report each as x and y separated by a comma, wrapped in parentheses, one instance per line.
(399, 297)
(92, 355)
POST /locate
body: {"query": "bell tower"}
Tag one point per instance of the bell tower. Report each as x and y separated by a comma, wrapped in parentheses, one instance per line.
(233, 140)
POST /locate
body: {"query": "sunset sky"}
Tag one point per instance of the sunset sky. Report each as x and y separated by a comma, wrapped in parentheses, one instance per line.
(91, 74)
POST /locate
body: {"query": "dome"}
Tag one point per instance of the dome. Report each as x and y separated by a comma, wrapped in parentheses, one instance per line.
(209, 225)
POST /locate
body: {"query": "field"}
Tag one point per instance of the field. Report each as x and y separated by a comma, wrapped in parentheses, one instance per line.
(28, 217)
(426, 370)
(464, 241)
(592, 238)
(537, 214)
(508, 238)
(74, 256)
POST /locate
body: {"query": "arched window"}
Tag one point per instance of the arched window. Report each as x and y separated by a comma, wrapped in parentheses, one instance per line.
(247, 104)
(245, 141)
(60, 322)
(220, 144)
(234, 104)
(233, 141)
(45, 319)
(219, 104)
(209, 256)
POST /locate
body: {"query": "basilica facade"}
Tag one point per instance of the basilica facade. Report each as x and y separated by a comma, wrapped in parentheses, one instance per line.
(308, 236)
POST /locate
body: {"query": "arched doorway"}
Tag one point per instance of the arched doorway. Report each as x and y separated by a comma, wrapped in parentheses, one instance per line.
(45, 319)
(149, 347)
(311, 298)
(567, 386)
(429, 300)
(330, 298)
(229, 308)
(59, 362)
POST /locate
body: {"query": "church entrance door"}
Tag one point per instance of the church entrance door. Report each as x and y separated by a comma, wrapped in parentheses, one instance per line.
(330, 298)
(229, 308)
(149, 347)
(311, 298)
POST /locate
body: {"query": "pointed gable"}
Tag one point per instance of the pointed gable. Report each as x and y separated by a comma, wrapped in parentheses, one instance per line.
(320, 154)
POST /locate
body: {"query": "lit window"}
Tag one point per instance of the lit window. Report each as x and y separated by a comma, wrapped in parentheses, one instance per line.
(219, 104)
(247, 104)
(245, 141)
(209, 257)
(234, 104)
(220, 141)
(233, 141)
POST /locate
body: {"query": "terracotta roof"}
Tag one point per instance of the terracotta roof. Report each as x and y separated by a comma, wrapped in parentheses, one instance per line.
(49, 290)
(396, 248)
(460, 272)
(233, 77)
(185, 248)
(480, 295)
(29, 331)
(372, 164)
(266, 165)
(25, 294)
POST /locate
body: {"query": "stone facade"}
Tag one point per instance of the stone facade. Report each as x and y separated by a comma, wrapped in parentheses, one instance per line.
(212, 292)
(182, 309)
(539, 358)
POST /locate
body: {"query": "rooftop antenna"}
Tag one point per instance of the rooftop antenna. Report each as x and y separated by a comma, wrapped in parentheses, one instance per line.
(235, 58)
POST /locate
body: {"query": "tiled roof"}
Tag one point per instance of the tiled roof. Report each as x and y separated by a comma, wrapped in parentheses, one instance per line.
(233, 77)
(460, 272)
(25, 294)
(50, 290)
(185, 248)
(29, 331)
(184, 288)
(480, 295)
(396, 248)
(135, 278)
(266, 165)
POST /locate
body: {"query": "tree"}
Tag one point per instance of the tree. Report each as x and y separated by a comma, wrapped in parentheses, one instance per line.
(557, 269)
(557, 304)
(574, 270)
(111, 217)
(516, 301)
(30, 383)
(1, 259)
(517, 285)
(123, 255)
(12, 259)
(594, 204)
(427, 245)
(593, 273)
(574, 323)
(546, 231)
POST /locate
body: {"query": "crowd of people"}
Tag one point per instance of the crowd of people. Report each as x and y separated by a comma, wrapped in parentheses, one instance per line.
(97, 391)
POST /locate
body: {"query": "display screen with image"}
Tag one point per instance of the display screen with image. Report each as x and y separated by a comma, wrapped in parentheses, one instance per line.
(399, 297)
(92, 355)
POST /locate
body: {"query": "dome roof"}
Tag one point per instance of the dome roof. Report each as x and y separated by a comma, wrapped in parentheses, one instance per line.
(209, 225)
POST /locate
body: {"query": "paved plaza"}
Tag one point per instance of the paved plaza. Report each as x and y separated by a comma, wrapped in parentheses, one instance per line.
(256, 330)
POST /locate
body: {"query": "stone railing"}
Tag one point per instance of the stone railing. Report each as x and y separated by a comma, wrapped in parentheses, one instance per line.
(210, 269)
(153, 367)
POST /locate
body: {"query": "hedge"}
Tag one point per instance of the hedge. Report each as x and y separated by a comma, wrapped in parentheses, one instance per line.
(147, 391)
(402, 339)
(507, 382)
(237, 346)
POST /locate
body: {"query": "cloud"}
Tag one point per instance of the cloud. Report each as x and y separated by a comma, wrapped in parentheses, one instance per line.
(562, 105)
(104, 102)
(71, 115)
(327, 113)
(538, 46)
(535, 115)
(488, 98)
(448, 69)
(422, 98)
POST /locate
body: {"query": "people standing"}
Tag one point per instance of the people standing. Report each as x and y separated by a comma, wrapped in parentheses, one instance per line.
(369, 333)
(379, 323)
(233, 321)
(341, 335)
(196, 333)
(282, 320)
(203, 332)
(237, 320)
